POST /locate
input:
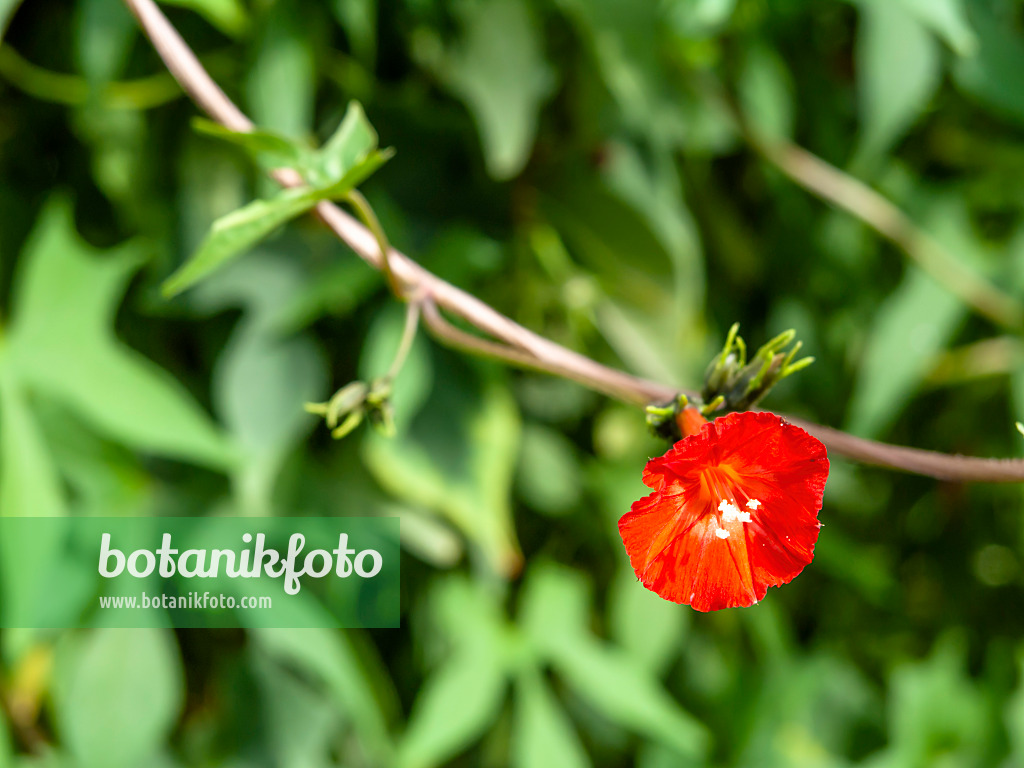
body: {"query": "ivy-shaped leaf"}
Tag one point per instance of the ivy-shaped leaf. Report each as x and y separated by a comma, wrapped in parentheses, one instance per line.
(348, 158)
(61, 344)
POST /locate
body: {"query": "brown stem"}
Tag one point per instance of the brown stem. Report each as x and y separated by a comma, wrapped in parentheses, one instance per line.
(516, 344)
(860, 200)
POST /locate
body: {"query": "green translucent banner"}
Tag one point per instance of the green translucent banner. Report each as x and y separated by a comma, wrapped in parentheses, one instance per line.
(199, 572)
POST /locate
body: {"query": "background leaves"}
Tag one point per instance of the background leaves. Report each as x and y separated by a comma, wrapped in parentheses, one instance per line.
(580, 166)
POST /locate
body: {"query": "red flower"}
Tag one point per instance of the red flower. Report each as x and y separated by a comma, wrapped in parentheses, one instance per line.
(734, 510)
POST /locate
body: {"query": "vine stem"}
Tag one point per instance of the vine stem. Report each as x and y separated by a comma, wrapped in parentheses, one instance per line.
(412, 321)
(515, 344)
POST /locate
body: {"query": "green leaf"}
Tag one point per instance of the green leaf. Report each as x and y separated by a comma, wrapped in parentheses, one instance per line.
(7, 9)
(299, 722)
(500, 73)
(263, 376)
(356, 175)
(898, 72)
(29, 487)
(29, 483)
(119, 693)
(349, 145)
(464, 695)
(273, 149)
(910, 328)
(104, 34)
(644, 625)
(455, 707)
(935, 702)
(61, 344)
(948, 20)
(543, 737)
(554, 615)
(359, 20)
(991, 74)
(229, 16)
(626, 693)
(234, 234)
(459, 459)
(548, 477)
(555, 604)
(280, 85)
(329, 657)
(766, 93)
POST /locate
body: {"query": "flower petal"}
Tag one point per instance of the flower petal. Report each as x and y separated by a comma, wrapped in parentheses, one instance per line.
(679, 543)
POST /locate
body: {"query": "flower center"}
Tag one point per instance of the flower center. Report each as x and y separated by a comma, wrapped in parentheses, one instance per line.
(721, 485)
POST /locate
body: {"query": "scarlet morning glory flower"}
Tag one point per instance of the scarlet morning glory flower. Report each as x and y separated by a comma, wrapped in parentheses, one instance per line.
(734, 510)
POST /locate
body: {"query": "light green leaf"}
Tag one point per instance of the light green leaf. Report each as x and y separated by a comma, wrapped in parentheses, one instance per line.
(935, 702)
(555, 604)
(456, 706)
(61, 345)
(898, 72)
(6, 748)
(462, 697)
(910, 328)
(766, 93)
(29, 487)
(500, 73)
(263, 376)
(119, 694)
(275, 150)
(7, 9)
(554, 615)
(234, 234)
(359, 19)
(543, 737)
(548, 477)
(459, 459)
(104, 35)
(948, 20)
(356, 175)
(649, 628)
(29, 484)
(229, 16)
(281, 84)
(350, 144)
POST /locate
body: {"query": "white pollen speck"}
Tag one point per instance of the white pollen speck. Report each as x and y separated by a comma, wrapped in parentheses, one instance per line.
(731, 513)
(753, 504)
(721, 533)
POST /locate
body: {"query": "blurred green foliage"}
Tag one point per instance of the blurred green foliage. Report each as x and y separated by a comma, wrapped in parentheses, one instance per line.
(577, 164)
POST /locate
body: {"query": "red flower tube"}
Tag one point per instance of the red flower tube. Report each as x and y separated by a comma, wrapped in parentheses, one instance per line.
(734, 510)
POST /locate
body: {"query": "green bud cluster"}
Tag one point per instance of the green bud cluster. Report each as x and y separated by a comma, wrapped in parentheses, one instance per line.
(353, 403)
(731, 382)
